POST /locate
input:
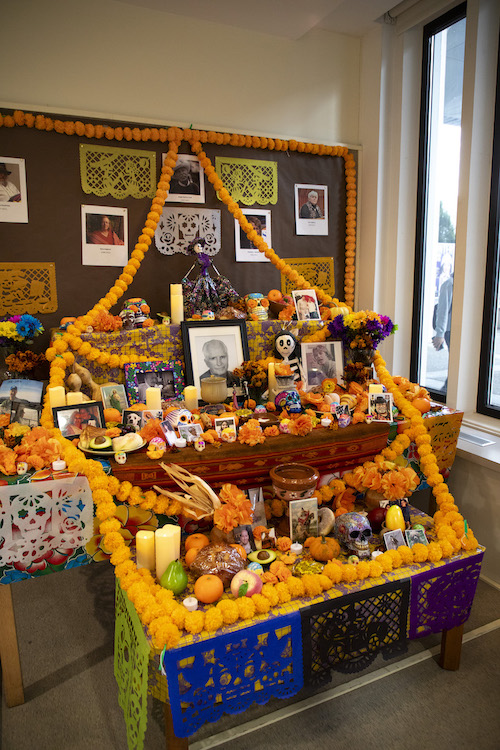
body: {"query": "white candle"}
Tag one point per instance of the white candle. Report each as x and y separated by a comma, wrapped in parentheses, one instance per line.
(191, 397)
(271, 380)
(57, 396)
(176, 308)
(167, 547)
(175, 289)
(153, 398)
(145, 549)
(74, 397)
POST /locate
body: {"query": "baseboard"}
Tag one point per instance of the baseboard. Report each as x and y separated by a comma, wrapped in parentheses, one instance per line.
(490, 582)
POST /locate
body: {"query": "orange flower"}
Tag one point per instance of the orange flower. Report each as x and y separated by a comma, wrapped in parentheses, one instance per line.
(301, 426)
(393, 485)
(251, 433)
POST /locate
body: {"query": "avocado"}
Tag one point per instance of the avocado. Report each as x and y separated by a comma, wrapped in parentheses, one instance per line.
(103, 442)
(262, 556)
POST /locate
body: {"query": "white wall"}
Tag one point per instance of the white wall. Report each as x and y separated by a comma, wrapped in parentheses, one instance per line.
(115, 59)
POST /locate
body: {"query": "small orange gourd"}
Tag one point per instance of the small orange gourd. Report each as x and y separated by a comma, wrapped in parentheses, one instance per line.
(324, 548)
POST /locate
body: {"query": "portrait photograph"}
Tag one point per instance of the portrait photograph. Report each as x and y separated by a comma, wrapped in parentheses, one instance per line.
(168, 376)
(322, 360)
(114, 397)
(244, 535)
(380, 406)
(260, 219)
(190, 432)
(72, 419)
(225, 423)
(306, 304)
(214, 350)
(303, 519)
(132, 418)
(415, 536)
(187, 184)
(168, 432)
(21, 399)
(394, 539)
(311, 209)
(13, 195)
(104, 236)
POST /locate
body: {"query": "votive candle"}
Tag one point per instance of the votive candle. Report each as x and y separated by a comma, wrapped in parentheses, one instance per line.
(145, 549)
(74, 397)
(167, 547)
(191, 397)
(57, 396)
(153, 398)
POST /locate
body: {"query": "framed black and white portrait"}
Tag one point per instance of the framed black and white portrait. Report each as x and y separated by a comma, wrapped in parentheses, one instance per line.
(322, 360)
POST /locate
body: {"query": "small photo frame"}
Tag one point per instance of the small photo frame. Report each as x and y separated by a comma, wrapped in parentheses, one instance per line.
(311, 209)
(149, 414)
(415, 536)
(322, 360)
(244, 535)
(303, 519)
(114, 397)
(167, 375)
(187, 184)
(104, 236)
(380, 406)
(13, 195)
(168, 432)
(190, 432)
(27, 414)
(72, 419)
(132, 418)
(260, 219)
(224, 423)
(394, 539)
(306, 304)
(21, 399)
(256, 497)
(214, 349)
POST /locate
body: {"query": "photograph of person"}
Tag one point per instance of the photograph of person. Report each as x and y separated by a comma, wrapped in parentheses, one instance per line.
(380, 406)
(166, 378)
(311, 209)
(321, 361)
(306, 304)
(72, 419)
(18, 393)
(187, 184)
(214, 349)
(10, 192)
(190, 432)
(303, 519)
(215, 354)
(224, 423)
(260, 221)
(27, 415)
(104, 230)
(394, 539)
(132, 419)
(244, 535)
(114, 397)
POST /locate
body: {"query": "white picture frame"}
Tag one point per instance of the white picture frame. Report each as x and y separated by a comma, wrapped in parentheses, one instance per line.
(193, 191)
(321, 360)
(13, 193)
(246, 252)
(380, 406)
(104, 236)
(309, 218)
(306, 304)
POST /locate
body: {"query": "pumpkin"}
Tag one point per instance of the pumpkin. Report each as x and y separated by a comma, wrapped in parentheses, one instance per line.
(324, 548)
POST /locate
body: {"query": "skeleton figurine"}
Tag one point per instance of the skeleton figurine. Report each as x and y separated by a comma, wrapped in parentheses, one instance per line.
(285, 346)
(354, 532)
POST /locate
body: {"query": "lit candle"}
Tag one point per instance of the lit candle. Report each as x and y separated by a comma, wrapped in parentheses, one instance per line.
(145, 549)
(57, 396)
(74, 397)
(167, 547)
(153, 398)
(191, 397)
(375, 388)
(176, 303)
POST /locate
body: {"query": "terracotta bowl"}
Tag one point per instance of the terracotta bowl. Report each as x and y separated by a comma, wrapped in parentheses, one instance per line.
(294, 481)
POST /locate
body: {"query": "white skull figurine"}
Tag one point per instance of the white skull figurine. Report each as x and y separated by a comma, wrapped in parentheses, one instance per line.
(120, 457)
(354, 531)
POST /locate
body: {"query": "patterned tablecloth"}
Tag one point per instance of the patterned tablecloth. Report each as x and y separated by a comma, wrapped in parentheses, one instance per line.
(296, 644)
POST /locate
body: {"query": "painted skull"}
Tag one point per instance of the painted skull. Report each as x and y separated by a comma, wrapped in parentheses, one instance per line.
(120, 457)
(354, 531)
(134, 312)
(178, 416)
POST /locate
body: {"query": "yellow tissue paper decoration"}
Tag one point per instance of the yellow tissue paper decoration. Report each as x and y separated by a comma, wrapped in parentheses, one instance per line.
(249, 181)
(316, 271)
(27, 288)
(119, 172)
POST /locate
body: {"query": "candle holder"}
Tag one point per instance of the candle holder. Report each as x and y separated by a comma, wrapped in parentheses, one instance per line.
(213, 389)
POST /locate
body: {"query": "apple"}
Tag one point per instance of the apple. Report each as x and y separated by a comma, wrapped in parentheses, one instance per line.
(246, 583)
(376, 517)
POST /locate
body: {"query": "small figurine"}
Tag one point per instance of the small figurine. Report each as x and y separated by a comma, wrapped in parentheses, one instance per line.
(286, 347)
(22, 468)
(205, 293)
(199, 445)
(120, 457)
(135, 314)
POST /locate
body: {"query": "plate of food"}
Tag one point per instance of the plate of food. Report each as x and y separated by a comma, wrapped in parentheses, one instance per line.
(94, 441)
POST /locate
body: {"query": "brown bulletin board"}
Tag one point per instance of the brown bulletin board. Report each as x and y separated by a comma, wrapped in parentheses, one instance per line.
(53, 232)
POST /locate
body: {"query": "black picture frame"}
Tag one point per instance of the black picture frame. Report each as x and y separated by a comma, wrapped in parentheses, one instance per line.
(197, 333)
(64, 415)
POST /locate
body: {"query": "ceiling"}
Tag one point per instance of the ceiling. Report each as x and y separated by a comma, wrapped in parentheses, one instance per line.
(285, 18)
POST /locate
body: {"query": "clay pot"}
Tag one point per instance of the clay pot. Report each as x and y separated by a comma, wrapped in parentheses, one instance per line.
(294, 481)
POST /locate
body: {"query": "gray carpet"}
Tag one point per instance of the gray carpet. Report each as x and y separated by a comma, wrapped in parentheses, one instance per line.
(65, 628)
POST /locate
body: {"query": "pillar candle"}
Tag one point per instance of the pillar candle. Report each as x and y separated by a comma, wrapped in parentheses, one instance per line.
(74, 397)
(375, 388)
(191, 397)
(271, 380)
(145, 549)
(167, 547)
(175, 289)
(177, 308)
(153, 398)
(57, 396)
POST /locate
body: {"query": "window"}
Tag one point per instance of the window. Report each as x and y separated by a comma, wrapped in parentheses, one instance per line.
(439, 164)
(488, 401)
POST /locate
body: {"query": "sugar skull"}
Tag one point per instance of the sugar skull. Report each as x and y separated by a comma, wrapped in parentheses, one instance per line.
(354, 531)
(134, 312)
(120, 457)
(178, 416)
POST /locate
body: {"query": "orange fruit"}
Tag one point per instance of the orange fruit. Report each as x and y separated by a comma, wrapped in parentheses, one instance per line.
(208, 588)
(191, 554)
(196, 540)
(422, 404)
(240, 550)
(274, 295)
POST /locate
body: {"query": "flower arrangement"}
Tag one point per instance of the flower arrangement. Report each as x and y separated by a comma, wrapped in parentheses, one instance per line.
(386, 477)
(361, 330)
(19, 328)
(24, 361)
(255, 373)
(235, 508)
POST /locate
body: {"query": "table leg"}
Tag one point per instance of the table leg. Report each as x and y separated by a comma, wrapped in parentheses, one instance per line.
(451, 648)
(12, 677)
(173, 742)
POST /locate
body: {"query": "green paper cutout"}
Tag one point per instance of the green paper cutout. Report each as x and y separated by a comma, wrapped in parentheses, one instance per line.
(131, 669)
(119, 172)
(249, 181)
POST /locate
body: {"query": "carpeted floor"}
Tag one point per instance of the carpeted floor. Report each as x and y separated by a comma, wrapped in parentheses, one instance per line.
(65, 627)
